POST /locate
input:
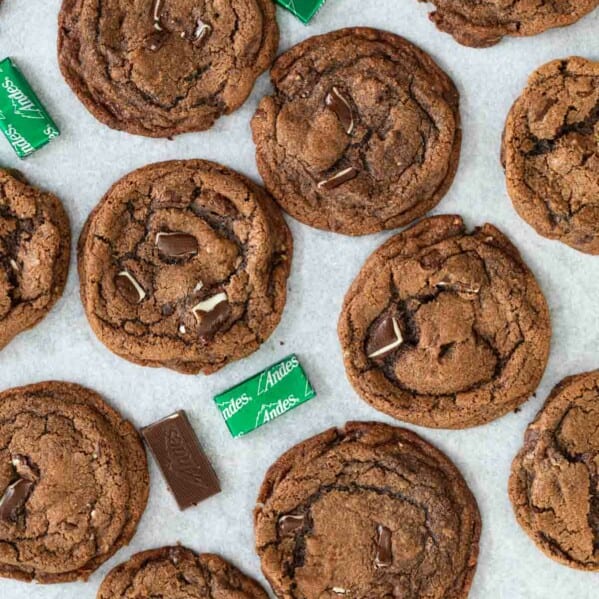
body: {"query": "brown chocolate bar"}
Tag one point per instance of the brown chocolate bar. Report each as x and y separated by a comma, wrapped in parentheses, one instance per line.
(175, 446)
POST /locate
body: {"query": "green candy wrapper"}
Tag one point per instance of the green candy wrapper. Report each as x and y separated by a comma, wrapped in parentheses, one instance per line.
(303, 9)
(23, 120)
(265, 396)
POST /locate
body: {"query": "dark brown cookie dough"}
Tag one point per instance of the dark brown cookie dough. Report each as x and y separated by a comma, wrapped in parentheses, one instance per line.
(164, 67)
(551, 154)
(178, 573)
(367, 511)
(362, 133)
(445, 328)
(554, 486)
(184, 264)
(35, 247)
(484, 23)
(73, 482)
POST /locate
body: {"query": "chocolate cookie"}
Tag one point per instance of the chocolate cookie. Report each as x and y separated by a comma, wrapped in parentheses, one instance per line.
(184, 264)
(551, 156)
(35, 247)
(160, 68)
(445, 328)
(484, 23)
(178, 573)
(362, 133)
(554, 486)
(73, 482)
(367, 511)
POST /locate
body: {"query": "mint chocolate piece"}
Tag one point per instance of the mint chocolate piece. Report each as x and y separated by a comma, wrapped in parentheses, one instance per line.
(177, 244)
(181, 459)
(14, 499)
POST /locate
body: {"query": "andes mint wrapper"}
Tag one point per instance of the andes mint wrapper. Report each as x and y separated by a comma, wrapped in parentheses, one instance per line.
(304, 10)
(23, 120)
(265, 396)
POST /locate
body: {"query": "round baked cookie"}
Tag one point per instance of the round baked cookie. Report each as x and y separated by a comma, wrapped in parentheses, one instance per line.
(551, 156)
(73, 482)
(178, 573)
(484, 23)
(35, 247)
(554, 485)
(367, 511)
(445, 328)
(362, 133)
(160, 68)
(184, 264)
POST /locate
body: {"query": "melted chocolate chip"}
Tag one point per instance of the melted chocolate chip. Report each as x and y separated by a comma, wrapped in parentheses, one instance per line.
(341, 107)
(213, 320)
(14, 500)
(339, 178)
(177, 244)
(432, 261)
(155, 40)
(129, 288)
(385, 338)
(167, 310)
(290, 523)
(383, 556)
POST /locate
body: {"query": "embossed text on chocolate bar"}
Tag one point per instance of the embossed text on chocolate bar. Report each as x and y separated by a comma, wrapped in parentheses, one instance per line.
(176, 448)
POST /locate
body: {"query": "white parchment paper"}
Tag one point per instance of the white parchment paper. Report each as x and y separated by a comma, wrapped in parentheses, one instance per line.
(88, 157)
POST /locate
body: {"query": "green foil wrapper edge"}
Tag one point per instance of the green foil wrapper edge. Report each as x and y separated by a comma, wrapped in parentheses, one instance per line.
(304, 10)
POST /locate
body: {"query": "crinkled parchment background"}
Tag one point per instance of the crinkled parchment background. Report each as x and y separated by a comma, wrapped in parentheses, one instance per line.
(88, 158)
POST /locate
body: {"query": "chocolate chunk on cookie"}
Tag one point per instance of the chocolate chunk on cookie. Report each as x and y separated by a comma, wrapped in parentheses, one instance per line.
(554, 485)
(367, 511)
(362, 133)
(551, 153)
(163, 67)
(445, 328)
(35, 247)
(73, 482)
(484, 23)
(177, 572)
(184, 264)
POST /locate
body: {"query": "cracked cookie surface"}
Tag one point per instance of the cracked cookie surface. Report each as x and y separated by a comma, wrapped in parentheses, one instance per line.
(163, 67)
(73, 482)
(184, 264)
(445, 328)
(178, 573)
(551, 152)
(554, 485)
(367, 511)
(484, 23)
(362, 133)
(35, 247)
